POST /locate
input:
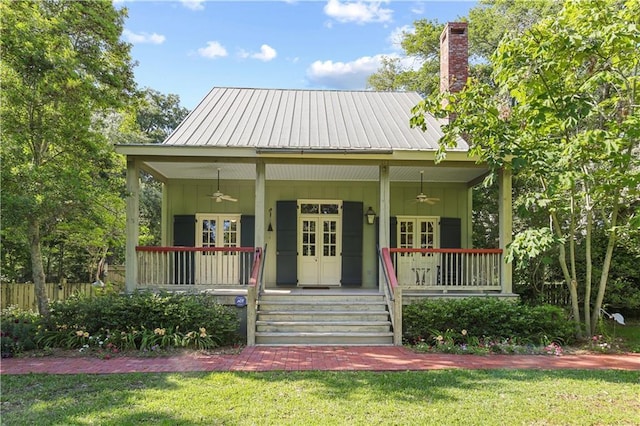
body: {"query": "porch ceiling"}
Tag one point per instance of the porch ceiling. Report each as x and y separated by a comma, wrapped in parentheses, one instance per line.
(313, 172)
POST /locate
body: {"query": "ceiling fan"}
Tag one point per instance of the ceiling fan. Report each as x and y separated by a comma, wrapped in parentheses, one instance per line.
(219, 196)
(421, 197)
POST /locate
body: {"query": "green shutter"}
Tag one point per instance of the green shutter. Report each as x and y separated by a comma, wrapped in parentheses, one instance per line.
(286, 242)
(450, 237)
(352, 223)
(450, 232)
(184, 235)
(247, 239)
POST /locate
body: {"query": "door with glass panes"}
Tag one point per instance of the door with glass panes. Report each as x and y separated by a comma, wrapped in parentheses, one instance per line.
(217, 231)
(319, 243)
(417, 268)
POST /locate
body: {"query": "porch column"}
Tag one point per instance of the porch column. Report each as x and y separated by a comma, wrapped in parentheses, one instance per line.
(384, 212)
(259, 203)
(132, 227)
(506, 226)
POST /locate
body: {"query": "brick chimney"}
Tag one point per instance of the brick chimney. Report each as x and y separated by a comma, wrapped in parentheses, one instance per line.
(454, 57)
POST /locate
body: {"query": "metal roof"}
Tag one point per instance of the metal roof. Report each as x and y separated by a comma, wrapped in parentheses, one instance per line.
(283, 119)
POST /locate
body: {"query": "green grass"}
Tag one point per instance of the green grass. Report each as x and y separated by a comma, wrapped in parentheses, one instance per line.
(469, 397)
(629, 333)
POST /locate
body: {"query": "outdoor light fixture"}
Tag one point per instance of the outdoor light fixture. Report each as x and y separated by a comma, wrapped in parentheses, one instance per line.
(270, 228)
(371, 216)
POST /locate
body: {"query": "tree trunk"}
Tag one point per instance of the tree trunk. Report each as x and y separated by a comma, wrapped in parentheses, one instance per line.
(569, 280)
(589, 267)
(37, 268)
(606, 265)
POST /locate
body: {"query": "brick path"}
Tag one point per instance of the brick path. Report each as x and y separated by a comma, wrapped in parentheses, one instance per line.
(298, 358)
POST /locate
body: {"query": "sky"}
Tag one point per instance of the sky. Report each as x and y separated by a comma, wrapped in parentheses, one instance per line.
(187, 47)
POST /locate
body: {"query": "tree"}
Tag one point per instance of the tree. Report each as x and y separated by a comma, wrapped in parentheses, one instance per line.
(62, 63)
(155, 116)
(488, 23)
(563, 112)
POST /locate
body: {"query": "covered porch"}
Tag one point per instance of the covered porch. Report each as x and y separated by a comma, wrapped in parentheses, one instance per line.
(429, 244)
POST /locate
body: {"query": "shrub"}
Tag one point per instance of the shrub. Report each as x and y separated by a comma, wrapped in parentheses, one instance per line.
(18, 330)
(486, 318)
(143, 319)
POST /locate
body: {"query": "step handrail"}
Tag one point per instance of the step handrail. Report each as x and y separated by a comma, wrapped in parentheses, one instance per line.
(388, 287)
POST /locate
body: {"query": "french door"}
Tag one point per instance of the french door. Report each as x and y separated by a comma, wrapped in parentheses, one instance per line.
(417, 232)
(217, 231)
(319, 243)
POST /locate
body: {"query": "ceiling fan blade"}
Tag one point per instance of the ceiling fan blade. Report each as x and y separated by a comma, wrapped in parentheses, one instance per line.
(228, 198)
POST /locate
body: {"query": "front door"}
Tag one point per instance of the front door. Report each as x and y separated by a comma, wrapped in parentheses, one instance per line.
(417, 268)
(217, 231)
(319, 243)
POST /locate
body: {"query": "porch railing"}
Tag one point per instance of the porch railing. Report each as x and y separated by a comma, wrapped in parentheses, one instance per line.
(253, 290)
(205, 266)
(447, 269)
(393, 294)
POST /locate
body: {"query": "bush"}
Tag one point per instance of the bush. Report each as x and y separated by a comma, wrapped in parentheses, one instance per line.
(141, 320)
(19, 328)
(487, 318)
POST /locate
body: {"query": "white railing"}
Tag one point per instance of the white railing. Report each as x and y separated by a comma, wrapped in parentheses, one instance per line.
(448, 269)
(186, 266)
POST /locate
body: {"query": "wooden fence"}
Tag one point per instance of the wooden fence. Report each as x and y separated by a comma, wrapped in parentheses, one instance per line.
(23, 295)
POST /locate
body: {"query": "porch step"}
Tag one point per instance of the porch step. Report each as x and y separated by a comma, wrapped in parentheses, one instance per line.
(318, 315)
(314, 296)
(317, 318)
(319, 304)
(342, 339)
(322, 326)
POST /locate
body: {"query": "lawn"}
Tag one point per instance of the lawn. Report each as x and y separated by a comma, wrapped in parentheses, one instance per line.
(326, 398)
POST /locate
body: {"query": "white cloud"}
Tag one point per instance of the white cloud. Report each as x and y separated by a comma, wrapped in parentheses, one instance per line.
(418, 9)
(193, 4)
(343, 75)
(395, 38)
(213, 50)
(360, 12)
(136, 38)
(266, 54)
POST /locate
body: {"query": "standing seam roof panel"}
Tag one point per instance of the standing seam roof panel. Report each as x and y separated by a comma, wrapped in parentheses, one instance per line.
(247, 125)
(335, 120)
(210, 134)
(276, 118)
(233, 121)
(392, 133)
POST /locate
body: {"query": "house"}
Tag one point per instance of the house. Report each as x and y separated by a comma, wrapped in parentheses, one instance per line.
(301, 199)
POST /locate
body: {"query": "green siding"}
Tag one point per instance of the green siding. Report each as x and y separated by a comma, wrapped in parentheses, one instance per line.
(191, 196)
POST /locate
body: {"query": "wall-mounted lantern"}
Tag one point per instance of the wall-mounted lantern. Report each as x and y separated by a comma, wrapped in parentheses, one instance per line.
(371, 216)
(270, 228)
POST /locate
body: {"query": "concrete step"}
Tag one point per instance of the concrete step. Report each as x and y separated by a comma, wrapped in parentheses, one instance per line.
(324, 326)
(320, 338)
(317, 318)
(318, 296)
(321, 305)
(382, 315)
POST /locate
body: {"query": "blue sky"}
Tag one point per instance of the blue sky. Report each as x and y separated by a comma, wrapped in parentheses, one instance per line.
(187, 47)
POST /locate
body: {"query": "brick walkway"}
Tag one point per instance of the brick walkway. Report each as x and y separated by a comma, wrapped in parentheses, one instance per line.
(298, 358)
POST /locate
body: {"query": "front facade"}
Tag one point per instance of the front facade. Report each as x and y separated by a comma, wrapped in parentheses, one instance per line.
(305, 200)
(327, 185)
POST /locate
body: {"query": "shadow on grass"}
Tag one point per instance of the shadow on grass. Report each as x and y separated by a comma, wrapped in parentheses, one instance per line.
(232, 398)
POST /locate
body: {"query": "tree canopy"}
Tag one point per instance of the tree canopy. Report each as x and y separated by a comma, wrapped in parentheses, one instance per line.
(489, 22)
(62, 63)
(562, 111)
